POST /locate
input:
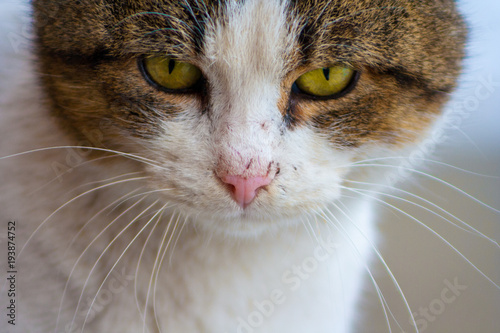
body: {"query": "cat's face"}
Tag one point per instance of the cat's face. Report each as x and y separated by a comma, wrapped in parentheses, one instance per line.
(251, 110)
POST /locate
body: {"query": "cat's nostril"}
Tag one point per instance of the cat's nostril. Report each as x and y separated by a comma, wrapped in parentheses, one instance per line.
(244, 190)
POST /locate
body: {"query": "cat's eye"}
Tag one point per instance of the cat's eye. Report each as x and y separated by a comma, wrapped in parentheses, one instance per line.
(170, 74)
(325, 82)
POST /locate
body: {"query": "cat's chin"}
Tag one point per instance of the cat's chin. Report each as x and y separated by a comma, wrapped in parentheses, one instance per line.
(243, 224)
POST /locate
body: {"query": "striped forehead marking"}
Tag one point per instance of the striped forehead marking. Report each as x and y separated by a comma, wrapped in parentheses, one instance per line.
(251, 40)
(249, 49)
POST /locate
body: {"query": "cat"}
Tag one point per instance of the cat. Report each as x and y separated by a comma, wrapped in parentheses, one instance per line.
(188, 166)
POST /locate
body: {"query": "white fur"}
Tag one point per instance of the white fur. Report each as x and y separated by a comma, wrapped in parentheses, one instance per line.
(226, 260)
(244, 66)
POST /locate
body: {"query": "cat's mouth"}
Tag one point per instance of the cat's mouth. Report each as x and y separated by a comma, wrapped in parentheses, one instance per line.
(245, 222)
(266, 197)
(223, 214)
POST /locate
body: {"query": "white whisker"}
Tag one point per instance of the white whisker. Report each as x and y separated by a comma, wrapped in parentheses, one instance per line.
(386, 266)
(96, 215)
(81, 256)
(69, 202)
(426, 160)
(436, 179)
(116, 152)
(153, 271)
(470, 229)
(136, 275)
(177, 239)
(71, 169)
(343, 232)
(158, 213)
(432, 231)
(107, 180)
(102, 254)
(157, 273)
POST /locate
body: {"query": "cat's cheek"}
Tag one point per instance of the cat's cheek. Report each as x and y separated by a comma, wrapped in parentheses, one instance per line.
(309, 176)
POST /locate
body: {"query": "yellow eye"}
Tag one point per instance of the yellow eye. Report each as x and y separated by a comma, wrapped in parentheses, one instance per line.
(171, 74)
(324, 82)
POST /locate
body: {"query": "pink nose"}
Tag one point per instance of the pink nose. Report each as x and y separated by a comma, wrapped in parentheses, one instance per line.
(245, 189)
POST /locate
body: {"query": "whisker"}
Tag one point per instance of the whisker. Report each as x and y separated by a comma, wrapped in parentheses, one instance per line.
(307, 225)
(471, 229)
(133, 197)
(102, 254)
(136, 292)
(114, 177)
(158, 191)
(137, 267)
(441, 181)
(158, 268)
(343, 232)
(105, 180)
(177, 239)
(158, 213)
(313, 233)
(386, 266)
(432, 231)
(69, 202)
(81, 256)
(197, 23)
(116, 152)
(95, 216)
(426, 160)
(71, 169)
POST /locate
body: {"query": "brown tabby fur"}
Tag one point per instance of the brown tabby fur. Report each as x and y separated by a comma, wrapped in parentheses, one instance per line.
(89, 55)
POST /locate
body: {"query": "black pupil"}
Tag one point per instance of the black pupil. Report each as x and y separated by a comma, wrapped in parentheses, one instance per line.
(326, 73)
(171, 65)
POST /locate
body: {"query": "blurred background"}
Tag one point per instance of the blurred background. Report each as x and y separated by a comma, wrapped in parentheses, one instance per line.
(445, 292)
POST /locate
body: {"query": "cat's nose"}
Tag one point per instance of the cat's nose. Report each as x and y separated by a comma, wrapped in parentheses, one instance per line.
(244, 190)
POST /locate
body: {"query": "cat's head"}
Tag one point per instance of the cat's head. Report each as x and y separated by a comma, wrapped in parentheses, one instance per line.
(250, 112)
